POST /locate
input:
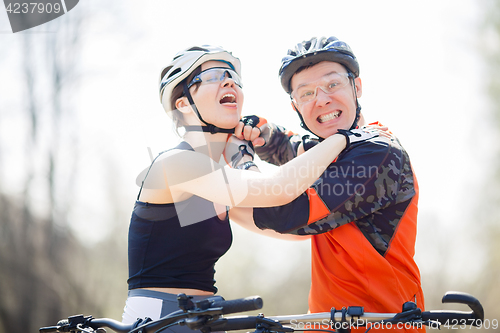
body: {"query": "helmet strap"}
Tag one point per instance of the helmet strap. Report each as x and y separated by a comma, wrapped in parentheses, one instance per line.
(209, 128)
(358, 108)
(303, 123)
(212, 129)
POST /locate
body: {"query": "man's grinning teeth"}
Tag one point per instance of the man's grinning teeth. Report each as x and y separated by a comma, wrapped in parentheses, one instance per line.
(329, 116)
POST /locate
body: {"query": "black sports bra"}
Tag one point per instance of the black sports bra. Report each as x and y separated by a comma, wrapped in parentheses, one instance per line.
(176, 245)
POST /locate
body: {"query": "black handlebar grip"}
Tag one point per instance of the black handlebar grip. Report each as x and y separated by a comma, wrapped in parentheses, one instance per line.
(239, 305)
(232, 324)
(474, 318)
(464, 298)
(61, 323)
(448, 317)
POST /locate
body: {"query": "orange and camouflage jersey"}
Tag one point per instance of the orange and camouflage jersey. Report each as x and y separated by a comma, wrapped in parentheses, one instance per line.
(362, 213)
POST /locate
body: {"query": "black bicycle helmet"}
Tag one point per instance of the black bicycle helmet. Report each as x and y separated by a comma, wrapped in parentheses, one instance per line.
(312, 52)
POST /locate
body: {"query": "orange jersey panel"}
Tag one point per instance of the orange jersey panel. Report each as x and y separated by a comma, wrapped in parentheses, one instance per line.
(348, 271)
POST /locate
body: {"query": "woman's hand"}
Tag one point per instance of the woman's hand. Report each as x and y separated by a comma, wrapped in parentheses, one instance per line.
(254, 129)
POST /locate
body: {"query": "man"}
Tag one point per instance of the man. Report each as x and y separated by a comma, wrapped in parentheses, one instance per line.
(362, 211)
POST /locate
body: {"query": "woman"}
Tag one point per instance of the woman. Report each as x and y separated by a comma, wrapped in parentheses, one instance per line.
(179, 226)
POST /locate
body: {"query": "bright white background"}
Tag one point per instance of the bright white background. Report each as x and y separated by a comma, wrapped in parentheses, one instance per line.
(421, 71)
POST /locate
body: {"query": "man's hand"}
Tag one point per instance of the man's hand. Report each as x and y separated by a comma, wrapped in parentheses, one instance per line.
(383, 130)
(254, 129)
(358, 135)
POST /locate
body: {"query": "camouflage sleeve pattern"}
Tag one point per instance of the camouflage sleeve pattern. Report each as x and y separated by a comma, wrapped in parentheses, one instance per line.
(282, 146)
(371, 184)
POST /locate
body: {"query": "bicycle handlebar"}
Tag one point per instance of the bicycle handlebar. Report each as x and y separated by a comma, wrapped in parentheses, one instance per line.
(475, 317)
(202, 312)
(412, 313)
(211, 307)
(205, 315)
(71, 324)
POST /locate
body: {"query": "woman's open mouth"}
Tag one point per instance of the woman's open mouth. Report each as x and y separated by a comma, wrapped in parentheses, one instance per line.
(228, 99)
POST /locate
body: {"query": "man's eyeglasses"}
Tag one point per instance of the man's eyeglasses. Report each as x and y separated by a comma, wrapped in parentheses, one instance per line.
(216, 75)
(330, 84)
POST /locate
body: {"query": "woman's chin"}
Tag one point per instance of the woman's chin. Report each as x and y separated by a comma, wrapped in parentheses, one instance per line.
(228, 123)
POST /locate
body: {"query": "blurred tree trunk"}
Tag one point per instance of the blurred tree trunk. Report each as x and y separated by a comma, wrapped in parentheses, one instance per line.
(42, 266)
(489, 211)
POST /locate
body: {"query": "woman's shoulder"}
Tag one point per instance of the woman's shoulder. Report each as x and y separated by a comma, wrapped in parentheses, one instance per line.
(173, 166)
(173, 156)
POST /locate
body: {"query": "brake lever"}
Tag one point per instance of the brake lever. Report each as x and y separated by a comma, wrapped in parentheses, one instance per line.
(268, 325)
(198, 319)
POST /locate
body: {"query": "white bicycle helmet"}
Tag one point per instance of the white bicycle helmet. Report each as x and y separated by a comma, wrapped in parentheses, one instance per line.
(185, 62)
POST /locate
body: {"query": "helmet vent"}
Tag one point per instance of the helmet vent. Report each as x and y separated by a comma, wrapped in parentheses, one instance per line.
(165, 71)
(198, 49)
(177, 70)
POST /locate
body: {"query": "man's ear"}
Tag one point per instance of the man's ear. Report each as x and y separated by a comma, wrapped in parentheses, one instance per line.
(182, 104)
(359, 87)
